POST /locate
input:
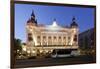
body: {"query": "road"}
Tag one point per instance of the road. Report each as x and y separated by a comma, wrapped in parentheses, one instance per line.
(54, 61)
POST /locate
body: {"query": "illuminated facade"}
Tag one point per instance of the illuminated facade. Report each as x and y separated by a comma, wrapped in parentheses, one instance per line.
(46, 38)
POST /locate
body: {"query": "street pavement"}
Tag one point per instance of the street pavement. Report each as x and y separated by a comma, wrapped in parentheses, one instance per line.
(54, 61)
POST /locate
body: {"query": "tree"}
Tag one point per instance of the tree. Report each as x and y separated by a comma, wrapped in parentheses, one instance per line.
(17, 44)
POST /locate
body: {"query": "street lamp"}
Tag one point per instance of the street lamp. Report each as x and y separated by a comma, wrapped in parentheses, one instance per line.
(33, 51)
(28, 53)
(24, 49)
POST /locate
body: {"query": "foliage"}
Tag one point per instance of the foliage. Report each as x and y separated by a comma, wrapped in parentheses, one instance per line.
(17, 44)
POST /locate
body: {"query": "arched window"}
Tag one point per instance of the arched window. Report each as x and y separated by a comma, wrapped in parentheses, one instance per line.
(59, 37)
(38, 37)
(44, 40)
(55, 40)
(49, 37)
(44, 37)
(54, 37)
(39, 40)
(30, 37)
(69, 38)
(59, 40)
(49, 40)
(75, 37)
(64, 40)
(29, 34)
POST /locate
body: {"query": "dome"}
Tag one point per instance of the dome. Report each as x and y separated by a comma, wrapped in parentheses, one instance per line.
(74, 24)
(32, 19)
(54, 23)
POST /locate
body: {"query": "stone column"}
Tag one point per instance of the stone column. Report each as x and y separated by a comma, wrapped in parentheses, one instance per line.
(52, 39)
(62, 40)
(57, 40)
(47, 39)
(41, 39)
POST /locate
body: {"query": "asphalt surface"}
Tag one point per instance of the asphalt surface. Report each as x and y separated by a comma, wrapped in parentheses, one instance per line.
(54, 61)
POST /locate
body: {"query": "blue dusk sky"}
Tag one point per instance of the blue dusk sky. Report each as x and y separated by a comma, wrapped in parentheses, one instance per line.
(46, 14)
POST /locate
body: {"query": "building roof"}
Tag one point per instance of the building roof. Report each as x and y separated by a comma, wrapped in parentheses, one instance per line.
(74, 22)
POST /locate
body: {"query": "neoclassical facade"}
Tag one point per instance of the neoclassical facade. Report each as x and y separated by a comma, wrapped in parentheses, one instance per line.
(46, 38)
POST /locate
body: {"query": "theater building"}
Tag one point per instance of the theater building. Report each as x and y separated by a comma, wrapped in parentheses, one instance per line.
(44, 39)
